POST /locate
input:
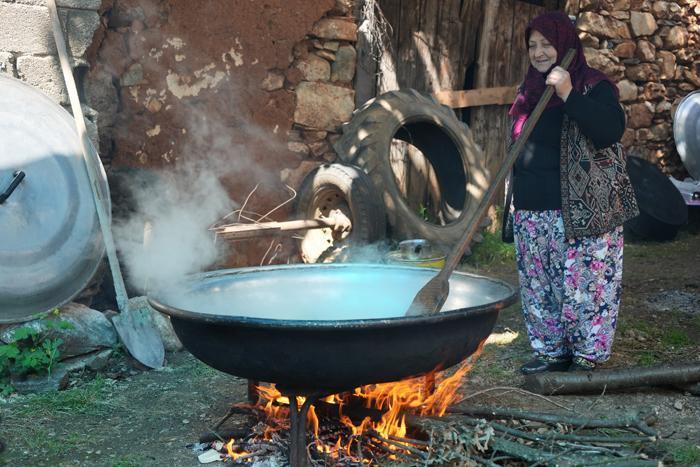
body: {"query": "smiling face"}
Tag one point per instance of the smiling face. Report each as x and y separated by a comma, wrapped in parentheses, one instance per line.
(542, 53)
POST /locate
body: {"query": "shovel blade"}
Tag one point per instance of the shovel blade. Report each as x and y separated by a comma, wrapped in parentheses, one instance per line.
(138, 334)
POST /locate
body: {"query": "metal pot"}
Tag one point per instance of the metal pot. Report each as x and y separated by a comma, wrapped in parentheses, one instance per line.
(686, 132)
(50, 240)
(328, 327)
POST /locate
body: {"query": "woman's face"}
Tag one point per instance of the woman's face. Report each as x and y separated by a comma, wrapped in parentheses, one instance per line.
(542, 54)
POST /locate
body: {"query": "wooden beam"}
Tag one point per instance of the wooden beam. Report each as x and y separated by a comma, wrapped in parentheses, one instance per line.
(477, 97)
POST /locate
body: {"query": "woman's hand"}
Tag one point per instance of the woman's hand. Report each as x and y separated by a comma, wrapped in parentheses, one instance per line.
(561, 80)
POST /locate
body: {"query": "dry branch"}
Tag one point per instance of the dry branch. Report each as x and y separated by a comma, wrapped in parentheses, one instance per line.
(581, 422)
(597, 381)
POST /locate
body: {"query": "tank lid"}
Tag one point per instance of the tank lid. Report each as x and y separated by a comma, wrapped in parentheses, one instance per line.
(50, 239)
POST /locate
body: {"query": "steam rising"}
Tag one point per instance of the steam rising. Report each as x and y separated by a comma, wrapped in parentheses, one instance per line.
(168, 238)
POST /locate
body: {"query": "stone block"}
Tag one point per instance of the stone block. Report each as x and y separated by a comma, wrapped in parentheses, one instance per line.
(27, 29)
(94, 5)
(609, 28)
(643, 72)
(642, 24)
(628, 90)
(273, 80)
(589, 40)
(604, 61)
(653, 91)
(323, 106)
(640, 115)
(664, 10)
(621, 15)
(663, 107)
(44, 73)
(677, 38)
(7, 63)
(661, 132)
(81, 26)
(667, 63)
(132, 76)
(646, 51)
(335, 29)
(343, 68)
(628, 137)
(640, 5)
(625, 49)
(314, 68)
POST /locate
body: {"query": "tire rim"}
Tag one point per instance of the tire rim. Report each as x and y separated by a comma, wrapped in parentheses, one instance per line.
(329, 203)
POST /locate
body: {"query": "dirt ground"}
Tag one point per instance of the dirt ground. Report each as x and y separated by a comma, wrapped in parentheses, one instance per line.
(125, 417)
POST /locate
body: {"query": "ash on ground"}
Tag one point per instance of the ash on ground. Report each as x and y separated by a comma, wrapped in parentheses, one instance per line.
(675, 300)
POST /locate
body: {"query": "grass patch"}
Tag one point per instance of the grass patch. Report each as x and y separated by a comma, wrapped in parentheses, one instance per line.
(695, 322)
(491, 250)
(54, 446)
(675, 338)
(86, 399)
(129, 461)
(683, 453)
(647, 358)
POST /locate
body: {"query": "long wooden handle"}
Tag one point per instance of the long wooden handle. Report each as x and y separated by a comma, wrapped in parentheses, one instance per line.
(91, 158)
(457, 252)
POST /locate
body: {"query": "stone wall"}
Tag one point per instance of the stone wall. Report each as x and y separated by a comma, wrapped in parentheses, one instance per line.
(652, 50)
(28, 50)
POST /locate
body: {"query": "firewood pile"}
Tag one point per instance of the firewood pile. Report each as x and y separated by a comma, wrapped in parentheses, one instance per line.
(463, 436)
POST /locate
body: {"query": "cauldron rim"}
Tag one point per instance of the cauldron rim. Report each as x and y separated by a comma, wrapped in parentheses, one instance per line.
(271, 323)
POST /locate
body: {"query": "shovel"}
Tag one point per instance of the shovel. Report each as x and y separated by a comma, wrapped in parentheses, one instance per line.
(432, 296)
(135, 328)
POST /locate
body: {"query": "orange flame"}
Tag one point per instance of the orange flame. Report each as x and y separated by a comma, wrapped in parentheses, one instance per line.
(423, 395)
(234, 455)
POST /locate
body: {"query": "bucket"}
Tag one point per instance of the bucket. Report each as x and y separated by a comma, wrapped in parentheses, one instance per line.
(417, 252)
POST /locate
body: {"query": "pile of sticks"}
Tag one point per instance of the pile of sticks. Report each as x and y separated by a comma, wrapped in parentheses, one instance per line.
(464, 436)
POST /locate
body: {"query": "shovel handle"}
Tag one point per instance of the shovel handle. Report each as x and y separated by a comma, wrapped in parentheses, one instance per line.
(91, 158)
(457, 252)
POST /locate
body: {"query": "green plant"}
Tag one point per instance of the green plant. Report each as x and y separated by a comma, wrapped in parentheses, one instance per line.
(30, 351)
(647, 358)
(675, 338)
(90, 398)
(684, 453)
(491, 250)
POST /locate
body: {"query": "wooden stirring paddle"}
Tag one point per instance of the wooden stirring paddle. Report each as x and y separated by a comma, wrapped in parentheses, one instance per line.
(432, 296)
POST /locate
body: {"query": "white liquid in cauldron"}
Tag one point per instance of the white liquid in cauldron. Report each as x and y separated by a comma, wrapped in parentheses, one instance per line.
(320, 293)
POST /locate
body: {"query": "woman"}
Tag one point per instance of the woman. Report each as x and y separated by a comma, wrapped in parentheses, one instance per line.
(570, 195)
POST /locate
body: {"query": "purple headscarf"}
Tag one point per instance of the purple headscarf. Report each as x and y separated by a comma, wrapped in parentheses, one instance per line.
(557, 28)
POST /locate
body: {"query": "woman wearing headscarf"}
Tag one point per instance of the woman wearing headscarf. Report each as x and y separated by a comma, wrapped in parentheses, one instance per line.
(570, 196)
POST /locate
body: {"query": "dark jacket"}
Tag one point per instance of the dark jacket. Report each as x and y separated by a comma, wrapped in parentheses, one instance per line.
(596, 192)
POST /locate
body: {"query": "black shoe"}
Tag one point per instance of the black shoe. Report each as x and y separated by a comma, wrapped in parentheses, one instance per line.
(542, 364)
(581, 364)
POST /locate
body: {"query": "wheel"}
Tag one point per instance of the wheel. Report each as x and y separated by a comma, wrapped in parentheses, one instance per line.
(346, 195)
(456, 177)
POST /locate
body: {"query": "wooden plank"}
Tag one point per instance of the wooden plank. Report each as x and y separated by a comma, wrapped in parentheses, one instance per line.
(477, 97)
(366, 70)
(241, 231)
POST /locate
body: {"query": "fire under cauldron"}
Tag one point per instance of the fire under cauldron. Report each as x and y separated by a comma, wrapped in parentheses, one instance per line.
(320, 329)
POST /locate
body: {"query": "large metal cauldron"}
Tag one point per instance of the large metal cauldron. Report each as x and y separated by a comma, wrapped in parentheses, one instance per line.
(329, 328)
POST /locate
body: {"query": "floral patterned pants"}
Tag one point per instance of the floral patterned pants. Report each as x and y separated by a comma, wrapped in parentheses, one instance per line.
(570, 289)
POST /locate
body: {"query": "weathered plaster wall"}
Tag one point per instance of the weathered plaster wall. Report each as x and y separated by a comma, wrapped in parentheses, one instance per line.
(260, 85)
(652, 50)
